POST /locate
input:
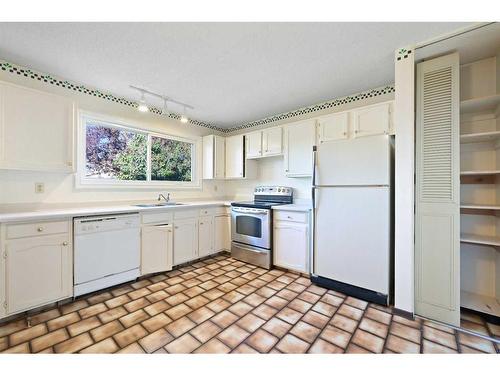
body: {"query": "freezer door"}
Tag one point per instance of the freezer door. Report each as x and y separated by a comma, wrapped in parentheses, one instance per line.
(352, 236)
(360, 161)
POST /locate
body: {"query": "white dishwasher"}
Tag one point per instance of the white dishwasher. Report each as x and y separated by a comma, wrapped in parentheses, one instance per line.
(107, 251)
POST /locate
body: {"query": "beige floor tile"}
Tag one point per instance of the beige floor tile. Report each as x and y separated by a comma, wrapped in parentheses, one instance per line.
(324, 347)
(130, 335)
(156, 322)
(4, 343)
(18, 349)
(305, 332)
(332, 299)
(355, 349)
(155, 340)
(218, 305)
(180, 326)
(140, 284)
(265, 312)
(470, 317)
(12, 327)
(405, 332)
(232, 336)
(104, 347)
(98, 298)
(45, 316)
(205, 331)
(287, 294)
(316, 319)
(296, 287)
(430, 347)
(244, 349)
(133, 318)
(178, 311)
(262, 341)
(254, 299)
(200, 315)
(176, 299)
(92, 310)
(265, 292)
(277, 327)
(468, 350)
(224, 319)
(134, 348)
(428, 323)
(117, 301)
(85, 325)
(494, 329)
(309, 297)
(182, 345)
(345, 323)
(292, 345)
(368, 341)
(416, 323)
(74, 344)
(289, 315)
(48, 340)
(156, 308)
(197, 302)
(276, 302)
(63, 321)
(378, 315)
(240, 308)
(440, 337)
(213, 346)
(106, 330)
(157, 296)
(175, 289)
(27, 334)
(355, 302)
(193, 291)
(350, 312)
(74, 306)
(121, 290)
(336, 336)
(276, 285)
(233, 297)
(474, 327)
(476, 343)
(213, 294)
(399, 345)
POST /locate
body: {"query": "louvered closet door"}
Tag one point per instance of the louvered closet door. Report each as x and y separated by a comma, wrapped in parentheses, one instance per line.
(437, 222)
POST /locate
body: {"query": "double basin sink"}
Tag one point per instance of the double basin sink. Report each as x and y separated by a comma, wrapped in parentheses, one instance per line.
(162, 204)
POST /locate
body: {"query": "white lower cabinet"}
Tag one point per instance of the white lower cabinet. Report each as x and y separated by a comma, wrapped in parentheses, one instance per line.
(38, 271)
(185, 240)
(222, 231)
(156, 248)
(291, 244)
(205, 236)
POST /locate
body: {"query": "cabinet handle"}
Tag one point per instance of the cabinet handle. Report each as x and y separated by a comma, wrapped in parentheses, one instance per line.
(176, 227)
(65, 243)
(289, 217)
(201, 223)
(40, 229)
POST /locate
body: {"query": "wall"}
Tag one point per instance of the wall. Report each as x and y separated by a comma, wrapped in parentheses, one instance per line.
(19, 186)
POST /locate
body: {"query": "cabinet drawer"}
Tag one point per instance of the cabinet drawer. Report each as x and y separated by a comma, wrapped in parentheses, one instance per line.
(37, 229)
(158, 217)
(298, 217)
(207, 211)
(222, 210)
(185, 214)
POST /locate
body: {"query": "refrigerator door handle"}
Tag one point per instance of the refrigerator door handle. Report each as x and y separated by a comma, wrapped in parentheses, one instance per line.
(314, 167)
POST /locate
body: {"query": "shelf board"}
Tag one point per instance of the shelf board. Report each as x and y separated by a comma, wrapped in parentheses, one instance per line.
(479, 239)
(469, 206)
(480, 172)
(480, 137)
(478, 302)
(479, 104)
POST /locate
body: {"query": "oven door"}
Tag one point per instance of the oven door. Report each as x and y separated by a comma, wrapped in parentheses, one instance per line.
(251, 226)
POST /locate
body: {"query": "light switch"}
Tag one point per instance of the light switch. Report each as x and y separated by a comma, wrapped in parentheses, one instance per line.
(39, 187)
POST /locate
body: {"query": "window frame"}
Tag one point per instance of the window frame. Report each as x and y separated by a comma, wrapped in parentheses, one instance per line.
(82, 182)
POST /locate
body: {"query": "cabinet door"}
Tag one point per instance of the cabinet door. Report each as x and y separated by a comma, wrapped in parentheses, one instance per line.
(220, 156)
(222, 232)
(208, 157)
(206, 236)
(235, 156)
(291, 246)
(38, 271)
(254, 145)
(437, 198)
(333, 127)
(185, 240)
(36, 130)
(272, 141)
(156, 249)
(299, 141)
(373, 120)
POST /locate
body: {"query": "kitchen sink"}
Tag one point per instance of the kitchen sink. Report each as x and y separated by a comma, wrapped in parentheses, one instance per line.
(165, 204)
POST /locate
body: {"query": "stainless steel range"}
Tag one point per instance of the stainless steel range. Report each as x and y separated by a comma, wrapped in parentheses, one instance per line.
(252, 225)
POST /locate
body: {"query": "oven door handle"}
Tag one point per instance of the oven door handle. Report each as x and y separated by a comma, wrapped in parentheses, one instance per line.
(250, 248)
(250, 212)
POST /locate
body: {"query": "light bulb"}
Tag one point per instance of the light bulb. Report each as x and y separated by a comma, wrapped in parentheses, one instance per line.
(142, 107)
(184, 119)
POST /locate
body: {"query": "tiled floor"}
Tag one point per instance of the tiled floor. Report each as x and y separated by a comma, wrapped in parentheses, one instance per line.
(222, 305)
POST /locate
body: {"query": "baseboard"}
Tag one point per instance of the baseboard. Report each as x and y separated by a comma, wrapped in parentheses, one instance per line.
(403, 313)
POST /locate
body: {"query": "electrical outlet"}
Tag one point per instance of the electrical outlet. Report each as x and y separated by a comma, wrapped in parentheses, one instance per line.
(39, 187)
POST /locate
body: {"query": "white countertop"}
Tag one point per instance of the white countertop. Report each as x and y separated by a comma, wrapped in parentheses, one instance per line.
(44, 211)
(302, 207)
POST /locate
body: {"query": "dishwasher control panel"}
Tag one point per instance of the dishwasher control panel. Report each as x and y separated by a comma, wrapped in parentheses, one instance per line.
(94, 224)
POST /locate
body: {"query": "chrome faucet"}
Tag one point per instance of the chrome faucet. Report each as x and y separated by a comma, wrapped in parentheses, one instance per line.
(167, 199)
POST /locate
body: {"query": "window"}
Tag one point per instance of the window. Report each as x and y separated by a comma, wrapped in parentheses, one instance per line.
(117, 155)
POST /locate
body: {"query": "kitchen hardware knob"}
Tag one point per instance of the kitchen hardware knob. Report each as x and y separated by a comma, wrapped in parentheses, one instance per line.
(345, 133)
(40, 229)
(176, 227)
(289, 217)
(65, 243)
(356, 131)
(201, 223)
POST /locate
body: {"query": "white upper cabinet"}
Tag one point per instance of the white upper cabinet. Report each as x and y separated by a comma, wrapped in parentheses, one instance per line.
(272, 141)
(214, 148)
(36, 130)
(333, 127)
(299, 141)
(254, 145)
(372, 120)
(235, 157)
(267, 142)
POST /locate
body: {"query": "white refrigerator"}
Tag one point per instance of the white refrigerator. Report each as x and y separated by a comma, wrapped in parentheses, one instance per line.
(352, 217)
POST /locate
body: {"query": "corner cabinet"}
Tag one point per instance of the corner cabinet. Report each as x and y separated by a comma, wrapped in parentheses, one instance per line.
(37, 265)
(36, 130)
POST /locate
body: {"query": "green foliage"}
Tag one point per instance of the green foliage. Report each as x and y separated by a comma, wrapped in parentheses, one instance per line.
(130, 163)
(170, 160)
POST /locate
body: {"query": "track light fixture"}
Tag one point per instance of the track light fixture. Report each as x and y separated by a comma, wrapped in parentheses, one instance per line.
(143, 107)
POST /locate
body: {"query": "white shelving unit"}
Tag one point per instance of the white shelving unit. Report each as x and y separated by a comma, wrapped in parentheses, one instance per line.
(480, 187)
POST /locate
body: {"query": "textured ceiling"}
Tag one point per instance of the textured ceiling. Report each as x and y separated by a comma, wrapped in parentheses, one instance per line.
(232, 73)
